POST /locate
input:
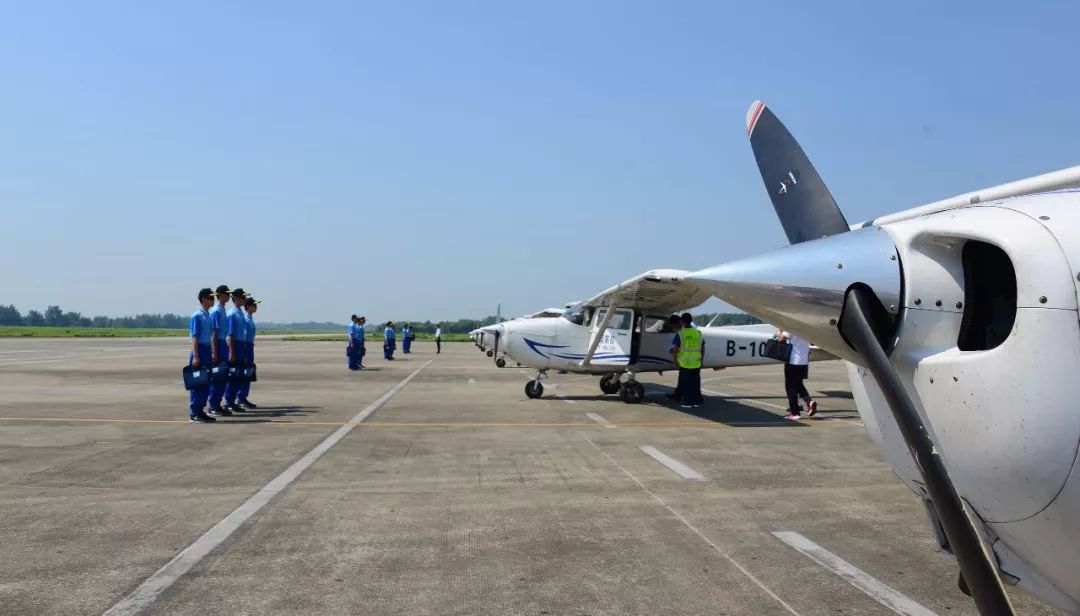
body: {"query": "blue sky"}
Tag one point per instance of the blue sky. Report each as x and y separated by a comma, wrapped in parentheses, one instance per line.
(424, 160)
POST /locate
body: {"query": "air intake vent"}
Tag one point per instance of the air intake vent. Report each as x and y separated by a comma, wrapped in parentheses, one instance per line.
(989, 297)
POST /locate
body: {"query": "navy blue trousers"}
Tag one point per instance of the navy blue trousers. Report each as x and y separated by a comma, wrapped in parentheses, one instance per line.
(197, 397)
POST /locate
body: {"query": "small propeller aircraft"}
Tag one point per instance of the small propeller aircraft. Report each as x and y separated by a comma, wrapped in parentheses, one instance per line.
(624, 331)
(960, 322)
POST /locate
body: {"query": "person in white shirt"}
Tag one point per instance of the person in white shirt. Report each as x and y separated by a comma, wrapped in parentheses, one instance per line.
(796, 370)
(438, 339)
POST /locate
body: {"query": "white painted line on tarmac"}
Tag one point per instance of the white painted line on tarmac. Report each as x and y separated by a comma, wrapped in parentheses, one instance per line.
(600, 420)
(183, 562)
(709, 542)
(681, 469)
(876, 589)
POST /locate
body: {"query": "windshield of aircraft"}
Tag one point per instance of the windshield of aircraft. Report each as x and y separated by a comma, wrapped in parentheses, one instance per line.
(578, 314)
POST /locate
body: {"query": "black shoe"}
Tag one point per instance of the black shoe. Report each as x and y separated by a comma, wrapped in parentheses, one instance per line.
(235, 408)
(248, 404)
(201, 418)
(221, 412)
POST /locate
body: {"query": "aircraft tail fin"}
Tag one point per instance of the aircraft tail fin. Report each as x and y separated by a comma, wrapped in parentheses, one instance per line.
(803, 203)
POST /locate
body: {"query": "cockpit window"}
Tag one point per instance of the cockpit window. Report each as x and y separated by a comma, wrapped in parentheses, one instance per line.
(578, 314)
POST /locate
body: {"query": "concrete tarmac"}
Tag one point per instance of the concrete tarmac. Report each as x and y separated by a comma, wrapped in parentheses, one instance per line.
(454, 495)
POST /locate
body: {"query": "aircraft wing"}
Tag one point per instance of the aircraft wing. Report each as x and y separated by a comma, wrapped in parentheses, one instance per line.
(659, 291)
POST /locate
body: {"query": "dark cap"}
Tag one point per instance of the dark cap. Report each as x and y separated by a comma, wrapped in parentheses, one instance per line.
(205, 293)
(353, 317)
(251, 301)
(222, 288)
(239, 291)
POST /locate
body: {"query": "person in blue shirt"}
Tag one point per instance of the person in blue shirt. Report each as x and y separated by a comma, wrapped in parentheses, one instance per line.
(220, 348)
(201, 356)
(354, 343)
(388, 341)
(236, 334)
(361, 349)
(407, 336)
(251, 305)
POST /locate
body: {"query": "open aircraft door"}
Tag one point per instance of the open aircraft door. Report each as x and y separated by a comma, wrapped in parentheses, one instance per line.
(615, 336)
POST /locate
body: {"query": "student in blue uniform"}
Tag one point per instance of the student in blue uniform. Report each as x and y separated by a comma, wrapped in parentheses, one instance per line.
(201, 356)
(360, 333)
(220, 347)
(406, 339)
(354, 335)
(251, 305)
(389, 343)
(236, 333)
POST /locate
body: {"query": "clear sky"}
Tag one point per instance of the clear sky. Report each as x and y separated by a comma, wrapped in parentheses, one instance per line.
(424, 160)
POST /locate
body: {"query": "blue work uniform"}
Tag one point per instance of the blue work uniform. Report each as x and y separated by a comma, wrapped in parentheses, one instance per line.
(237, 328)
(388, 343)
(249, 354)
(217, 323)
(202, 330)
(406, 340)
(354, 333)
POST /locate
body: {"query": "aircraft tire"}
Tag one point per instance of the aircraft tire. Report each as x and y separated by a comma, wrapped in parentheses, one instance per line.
(534, 389)
(609, 384)
(491, 353)
(632, 392)
(501, 363)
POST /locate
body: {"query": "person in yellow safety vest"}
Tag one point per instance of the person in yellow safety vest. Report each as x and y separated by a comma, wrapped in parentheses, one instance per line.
(689, 353)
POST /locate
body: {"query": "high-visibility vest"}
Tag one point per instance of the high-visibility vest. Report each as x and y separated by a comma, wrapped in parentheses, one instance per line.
(689, 348)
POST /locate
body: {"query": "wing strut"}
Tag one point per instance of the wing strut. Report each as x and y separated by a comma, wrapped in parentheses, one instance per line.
(599, 335)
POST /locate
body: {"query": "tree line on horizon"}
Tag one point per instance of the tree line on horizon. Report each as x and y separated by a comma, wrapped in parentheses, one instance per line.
(54, 316)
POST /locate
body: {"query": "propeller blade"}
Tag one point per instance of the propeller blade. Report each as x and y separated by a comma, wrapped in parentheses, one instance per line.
(861, 309)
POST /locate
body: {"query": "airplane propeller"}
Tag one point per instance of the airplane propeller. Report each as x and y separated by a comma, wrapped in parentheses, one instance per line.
(862, 323)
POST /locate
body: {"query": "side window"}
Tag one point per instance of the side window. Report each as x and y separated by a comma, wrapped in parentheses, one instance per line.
(621, 320)
(657, 325)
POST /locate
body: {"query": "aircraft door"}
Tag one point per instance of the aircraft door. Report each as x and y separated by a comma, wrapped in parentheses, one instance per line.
(616, 343)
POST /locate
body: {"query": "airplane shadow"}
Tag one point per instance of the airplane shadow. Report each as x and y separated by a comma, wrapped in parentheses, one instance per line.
(836, 393)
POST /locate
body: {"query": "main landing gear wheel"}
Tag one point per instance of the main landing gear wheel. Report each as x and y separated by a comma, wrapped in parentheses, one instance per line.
(632, 392)
(501, 363)
(534, 389)
(609, 383)
(491, 353)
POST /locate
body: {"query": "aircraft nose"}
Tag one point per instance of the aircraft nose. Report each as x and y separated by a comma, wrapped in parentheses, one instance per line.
(801, 287)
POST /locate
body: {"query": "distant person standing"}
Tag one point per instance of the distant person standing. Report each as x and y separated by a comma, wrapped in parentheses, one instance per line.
(796, 370)
(220, 349)
(201, 355)
(361, 334)
(438, 339)
(354, 345)
(251, 305)
(675, 323)
(689, 352)
(407, 337)
(236, 334)
(389, 342)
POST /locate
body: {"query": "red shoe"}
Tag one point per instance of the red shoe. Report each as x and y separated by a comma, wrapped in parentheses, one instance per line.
(811, 409)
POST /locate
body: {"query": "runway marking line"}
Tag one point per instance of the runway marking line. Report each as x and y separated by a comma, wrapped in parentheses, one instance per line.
(673, 464)
(166, 576)
(432, 424)
(709, 542)
(876, 589)
(600, 420)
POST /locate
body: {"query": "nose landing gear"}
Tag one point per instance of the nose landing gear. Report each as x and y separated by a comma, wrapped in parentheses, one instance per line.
(534, 388)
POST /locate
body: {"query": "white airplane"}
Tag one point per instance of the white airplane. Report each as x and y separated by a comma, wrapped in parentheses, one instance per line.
(624, 331)
(960, 322)
(483, 336)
